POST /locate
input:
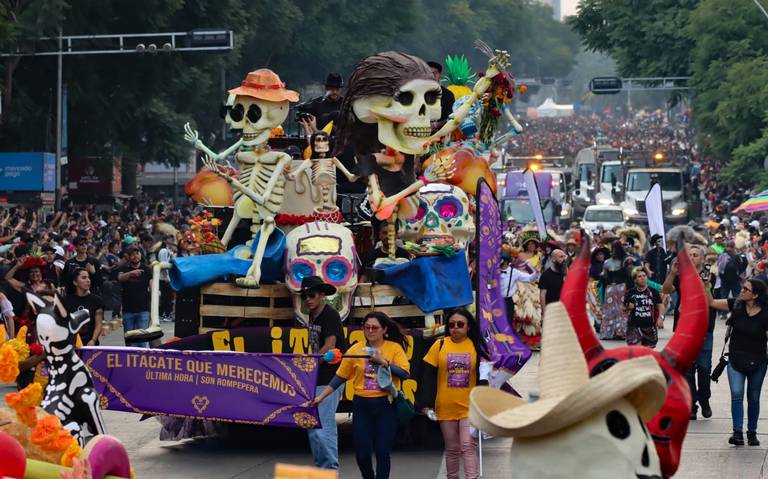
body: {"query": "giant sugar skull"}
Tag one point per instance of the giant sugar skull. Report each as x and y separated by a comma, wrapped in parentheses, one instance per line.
(260, 105)
(326, 250)
(443, 218)
(397, 93)
(669, 426)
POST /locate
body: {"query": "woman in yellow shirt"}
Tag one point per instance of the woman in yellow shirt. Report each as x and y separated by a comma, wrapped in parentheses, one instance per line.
(454, 362)
(374, 415)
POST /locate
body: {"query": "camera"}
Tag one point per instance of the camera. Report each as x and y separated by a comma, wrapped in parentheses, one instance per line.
(301, 112)
(719, 368)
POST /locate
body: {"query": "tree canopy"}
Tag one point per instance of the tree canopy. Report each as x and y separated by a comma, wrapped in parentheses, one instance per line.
(134, 106)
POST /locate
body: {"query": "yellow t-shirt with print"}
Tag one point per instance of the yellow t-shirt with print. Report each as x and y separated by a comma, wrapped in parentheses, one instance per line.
(363, 372)
(456, 365)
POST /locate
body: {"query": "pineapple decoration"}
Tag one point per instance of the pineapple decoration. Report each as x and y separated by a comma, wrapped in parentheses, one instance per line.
(459, 76)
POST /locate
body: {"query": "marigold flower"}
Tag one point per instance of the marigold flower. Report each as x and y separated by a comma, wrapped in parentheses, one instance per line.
(73, 452)
(9, 364)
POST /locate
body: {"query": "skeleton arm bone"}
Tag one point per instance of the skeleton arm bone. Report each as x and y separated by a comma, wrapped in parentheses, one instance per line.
(303, 166)
(192, 136)
(285, 160)
(154, 298)
(344, 170)
(213, 167)
(458, 116)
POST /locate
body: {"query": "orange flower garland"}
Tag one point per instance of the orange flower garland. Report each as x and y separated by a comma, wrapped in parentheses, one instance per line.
(9, 364)
(73, 452)
(24, 403)
(50, 435)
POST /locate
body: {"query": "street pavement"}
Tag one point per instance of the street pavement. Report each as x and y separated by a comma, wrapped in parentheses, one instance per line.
(252, 453)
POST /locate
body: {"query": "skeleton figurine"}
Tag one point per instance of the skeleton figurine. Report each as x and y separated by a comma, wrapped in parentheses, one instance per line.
(391, 100)
(260, 105)
(323, 174)
(69, 394)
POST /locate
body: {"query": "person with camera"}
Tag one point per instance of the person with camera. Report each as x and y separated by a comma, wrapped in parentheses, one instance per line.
(699, 376)
(318, 112)
(748, 333)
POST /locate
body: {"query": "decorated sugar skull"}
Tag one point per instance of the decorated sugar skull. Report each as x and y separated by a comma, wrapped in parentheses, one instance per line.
(444, 218)
(594, 426)
(326, 250)
(399, 94)
(259, 105)
(669, 426)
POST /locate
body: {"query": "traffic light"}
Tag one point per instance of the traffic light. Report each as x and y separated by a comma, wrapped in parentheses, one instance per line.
(605, 85)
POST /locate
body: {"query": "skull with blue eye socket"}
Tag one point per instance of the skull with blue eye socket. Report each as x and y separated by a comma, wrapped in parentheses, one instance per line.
(444, 219)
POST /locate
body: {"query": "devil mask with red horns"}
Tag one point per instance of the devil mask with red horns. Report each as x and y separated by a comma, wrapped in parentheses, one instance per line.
(669, 426)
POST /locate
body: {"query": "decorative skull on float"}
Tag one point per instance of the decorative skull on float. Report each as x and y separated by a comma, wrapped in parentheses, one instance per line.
(391, 101)
(326, 250)
(443, 221)
(592, 425)
(669, 426)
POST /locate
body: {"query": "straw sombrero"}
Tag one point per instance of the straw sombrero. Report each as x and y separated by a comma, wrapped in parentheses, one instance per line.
(265, 84)
(568, 394)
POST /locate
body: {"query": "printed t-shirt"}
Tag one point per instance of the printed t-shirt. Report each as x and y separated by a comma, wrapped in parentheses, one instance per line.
(456, 365)
(363, 372)
(644, 314)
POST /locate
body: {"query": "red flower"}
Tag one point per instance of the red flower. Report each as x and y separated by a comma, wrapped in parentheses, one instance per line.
(495, 112)
(35, 349)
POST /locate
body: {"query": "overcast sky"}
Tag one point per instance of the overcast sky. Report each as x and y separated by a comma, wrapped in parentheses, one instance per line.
(568, 7)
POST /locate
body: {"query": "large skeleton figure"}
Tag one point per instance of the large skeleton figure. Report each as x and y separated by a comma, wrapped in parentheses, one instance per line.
(323, 171)
(260, 105)
(391, 100)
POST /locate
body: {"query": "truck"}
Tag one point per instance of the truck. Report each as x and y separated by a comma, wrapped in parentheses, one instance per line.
(515, 202)
(673, 182)
(585, 167)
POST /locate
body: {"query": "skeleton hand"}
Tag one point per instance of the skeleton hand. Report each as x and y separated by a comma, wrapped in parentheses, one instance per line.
(439, 171)
(192, 136)
(214, 167)
(496, 64)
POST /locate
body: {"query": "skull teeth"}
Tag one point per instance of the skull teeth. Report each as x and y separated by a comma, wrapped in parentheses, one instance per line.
(250, 136)
(417, 131)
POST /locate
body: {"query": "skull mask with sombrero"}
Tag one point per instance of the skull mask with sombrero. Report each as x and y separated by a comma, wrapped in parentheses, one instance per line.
(594, 427)
(260, 104)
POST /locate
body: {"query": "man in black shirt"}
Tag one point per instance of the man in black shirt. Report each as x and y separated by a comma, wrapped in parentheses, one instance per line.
(325, 333)
(81, 260)
(135, 277)
(656, 260)
(643, 305)
(551, 281)
(446, 96)
(326, 108)
(699, 376)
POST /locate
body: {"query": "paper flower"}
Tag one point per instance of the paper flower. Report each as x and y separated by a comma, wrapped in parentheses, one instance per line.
(9, 364)
(49, 435)
(24, 403)
(73, 452)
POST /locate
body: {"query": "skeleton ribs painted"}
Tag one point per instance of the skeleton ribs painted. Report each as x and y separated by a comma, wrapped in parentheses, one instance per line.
(260, 104)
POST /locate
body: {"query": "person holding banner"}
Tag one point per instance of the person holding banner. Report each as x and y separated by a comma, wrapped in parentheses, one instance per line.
(325, 333)
(374, 414)
(614, 325)
(452, 368)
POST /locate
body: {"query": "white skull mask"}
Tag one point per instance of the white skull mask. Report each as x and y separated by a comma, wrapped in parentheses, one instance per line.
(443, 218)
(404, 120)
(612, 444)
(256, 118)
(326, 250)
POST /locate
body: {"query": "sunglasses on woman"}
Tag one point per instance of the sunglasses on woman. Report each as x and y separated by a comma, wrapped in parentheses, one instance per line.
(456, 324)
(371, 327)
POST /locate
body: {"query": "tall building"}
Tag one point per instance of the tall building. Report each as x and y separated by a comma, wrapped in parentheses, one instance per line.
(557, 10)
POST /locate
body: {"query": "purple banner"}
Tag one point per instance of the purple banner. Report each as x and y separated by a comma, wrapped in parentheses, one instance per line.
(251, 388)
(507, 350)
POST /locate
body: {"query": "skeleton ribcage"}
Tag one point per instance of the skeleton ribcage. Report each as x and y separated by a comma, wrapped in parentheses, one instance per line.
(256, 178)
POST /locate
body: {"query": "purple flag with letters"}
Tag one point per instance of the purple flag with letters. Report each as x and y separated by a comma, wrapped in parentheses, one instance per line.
(251, 388)
(507, 350)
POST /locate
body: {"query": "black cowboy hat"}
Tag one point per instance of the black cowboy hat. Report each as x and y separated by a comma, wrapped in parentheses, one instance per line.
(655, 238)
(311, 284)
(334, 80)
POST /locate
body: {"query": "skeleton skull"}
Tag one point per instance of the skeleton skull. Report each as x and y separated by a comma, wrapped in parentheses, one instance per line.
(326, 250)
(615, 435)
(443, 218)
(256, 118)
(404, 120)
(321, 144)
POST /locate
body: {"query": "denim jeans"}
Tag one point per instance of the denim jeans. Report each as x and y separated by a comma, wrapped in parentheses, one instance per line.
(754, 384)
(133, 321)
(731, 290)
(324, 442)
(374, 427)
(699, 374)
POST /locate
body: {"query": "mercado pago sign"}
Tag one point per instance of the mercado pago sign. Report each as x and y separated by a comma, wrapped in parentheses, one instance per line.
(27, 171)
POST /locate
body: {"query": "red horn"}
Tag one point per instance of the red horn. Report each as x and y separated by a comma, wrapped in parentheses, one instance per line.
(573, 296)
(686, 342)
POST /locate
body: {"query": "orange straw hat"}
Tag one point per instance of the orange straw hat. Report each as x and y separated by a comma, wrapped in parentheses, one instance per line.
(264, 84)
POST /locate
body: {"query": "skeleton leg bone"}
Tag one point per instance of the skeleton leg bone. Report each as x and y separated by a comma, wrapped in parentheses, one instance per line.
(253, 276)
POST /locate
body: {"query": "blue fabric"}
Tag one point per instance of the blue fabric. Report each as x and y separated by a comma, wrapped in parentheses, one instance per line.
(132, 321)
(754, 382)
(324, 441)
(193, 271)
(374, 427)
(432, 282)
(336, 381)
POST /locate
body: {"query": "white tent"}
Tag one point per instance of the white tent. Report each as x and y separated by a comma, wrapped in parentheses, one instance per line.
(550, 109)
